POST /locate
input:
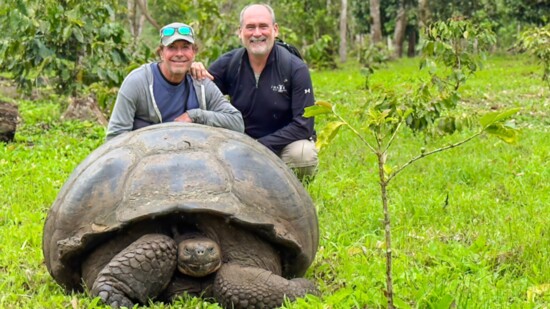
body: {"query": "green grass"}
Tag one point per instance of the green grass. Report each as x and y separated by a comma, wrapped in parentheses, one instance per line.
(486, 247)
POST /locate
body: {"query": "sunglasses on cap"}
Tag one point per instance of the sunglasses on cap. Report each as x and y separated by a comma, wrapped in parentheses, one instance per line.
(170, 31)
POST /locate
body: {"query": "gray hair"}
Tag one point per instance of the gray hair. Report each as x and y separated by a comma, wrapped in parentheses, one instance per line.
(269, 9)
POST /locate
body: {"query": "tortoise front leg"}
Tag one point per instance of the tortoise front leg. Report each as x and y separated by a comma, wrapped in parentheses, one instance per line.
(139, 272)
(238, 286)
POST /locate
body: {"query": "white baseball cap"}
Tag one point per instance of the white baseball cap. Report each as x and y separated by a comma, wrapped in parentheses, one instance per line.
(176, 31)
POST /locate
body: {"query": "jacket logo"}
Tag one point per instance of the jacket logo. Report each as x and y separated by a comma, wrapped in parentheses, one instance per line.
(278, 88)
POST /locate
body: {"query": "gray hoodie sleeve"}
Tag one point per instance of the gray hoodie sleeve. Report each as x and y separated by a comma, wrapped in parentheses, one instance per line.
(122, 117)
(131, 99)
(219, 112)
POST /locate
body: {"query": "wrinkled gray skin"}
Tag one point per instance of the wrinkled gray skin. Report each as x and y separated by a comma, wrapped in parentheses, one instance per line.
(251, 272)
(139, 263)
(119, 219)
(249, 277)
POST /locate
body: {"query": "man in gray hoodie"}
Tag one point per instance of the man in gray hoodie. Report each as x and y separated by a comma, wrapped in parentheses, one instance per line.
(164, 91)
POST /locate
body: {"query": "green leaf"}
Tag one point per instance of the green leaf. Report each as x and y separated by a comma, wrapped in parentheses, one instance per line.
(401, 304)
(445, 302)
(67, 33)
(387, 169)
(78, 35)
(493, 117)
(319, 108)
(328, 134)
(112, 75)
(43, 51)
(109, 9)
(324, 104)
(315, 110)
(505, 133)
(115, 56)
(407, 113)
(507, 113)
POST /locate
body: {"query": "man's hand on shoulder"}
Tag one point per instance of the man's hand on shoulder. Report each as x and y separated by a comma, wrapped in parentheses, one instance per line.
(198, 71)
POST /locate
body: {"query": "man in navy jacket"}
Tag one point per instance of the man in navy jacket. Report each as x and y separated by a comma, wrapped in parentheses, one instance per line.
(272, 104)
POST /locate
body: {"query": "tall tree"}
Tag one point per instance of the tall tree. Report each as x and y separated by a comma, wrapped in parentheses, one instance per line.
(135, 18)
(423, 15)
(399, 31)
(376, 22)
(343, 31)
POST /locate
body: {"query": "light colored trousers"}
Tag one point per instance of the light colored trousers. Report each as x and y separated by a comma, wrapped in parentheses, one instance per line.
(301, 157)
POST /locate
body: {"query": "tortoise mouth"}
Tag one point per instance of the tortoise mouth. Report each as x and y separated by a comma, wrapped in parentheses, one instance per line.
(199, 270)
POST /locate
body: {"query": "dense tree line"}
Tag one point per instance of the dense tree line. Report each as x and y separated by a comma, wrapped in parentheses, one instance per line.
(74, 43)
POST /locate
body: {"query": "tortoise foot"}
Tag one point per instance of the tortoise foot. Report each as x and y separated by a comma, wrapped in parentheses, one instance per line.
(113, 297)
(304, 286)
(139, 272)
(239, 286)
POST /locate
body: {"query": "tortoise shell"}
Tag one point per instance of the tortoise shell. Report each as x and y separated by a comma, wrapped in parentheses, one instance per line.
(177, 168)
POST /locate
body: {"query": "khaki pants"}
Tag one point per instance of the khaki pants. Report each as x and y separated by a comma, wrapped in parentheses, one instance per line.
(301, 157)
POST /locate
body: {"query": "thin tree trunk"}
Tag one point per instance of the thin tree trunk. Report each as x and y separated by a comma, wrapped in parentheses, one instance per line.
(387, 229)
(423, 15)
(132, 11)
(143, 6)
(400, 27)
(343, 31)
(135, 19)
(376, 25)
(411, 51)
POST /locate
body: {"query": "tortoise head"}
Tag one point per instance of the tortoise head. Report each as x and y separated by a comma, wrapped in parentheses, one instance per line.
(198, 256)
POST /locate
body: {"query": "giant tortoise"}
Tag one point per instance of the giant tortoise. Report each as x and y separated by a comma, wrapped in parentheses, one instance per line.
(176, 208)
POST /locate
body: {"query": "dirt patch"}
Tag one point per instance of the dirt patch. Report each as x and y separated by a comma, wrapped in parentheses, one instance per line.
(8, 89)
(84, 109)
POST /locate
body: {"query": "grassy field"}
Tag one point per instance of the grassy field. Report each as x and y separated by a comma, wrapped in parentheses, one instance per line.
(471, 226)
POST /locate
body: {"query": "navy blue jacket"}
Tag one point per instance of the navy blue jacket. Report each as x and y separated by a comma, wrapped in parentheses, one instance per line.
(272, 114)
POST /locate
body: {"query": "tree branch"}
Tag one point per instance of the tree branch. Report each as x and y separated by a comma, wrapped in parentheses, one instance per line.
(143, 6)
(425, 154)
(355, 132)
